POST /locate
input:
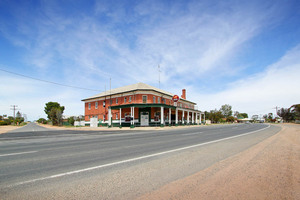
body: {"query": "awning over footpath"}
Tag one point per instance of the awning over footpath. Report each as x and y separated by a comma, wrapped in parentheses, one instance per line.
(155, 105)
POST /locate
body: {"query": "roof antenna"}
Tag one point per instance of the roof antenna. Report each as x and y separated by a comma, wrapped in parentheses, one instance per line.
(159, 76)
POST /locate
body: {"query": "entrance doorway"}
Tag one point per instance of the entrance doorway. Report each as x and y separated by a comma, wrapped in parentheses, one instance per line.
(144, 118)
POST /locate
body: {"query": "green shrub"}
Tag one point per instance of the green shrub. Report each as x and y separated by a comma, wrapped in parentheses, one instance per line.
(42, 121)
(3, 123)
(23, 123)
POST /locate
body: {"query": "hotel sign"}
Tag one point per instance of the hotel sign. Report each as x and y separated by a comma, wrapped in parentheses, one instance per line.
(175, 98)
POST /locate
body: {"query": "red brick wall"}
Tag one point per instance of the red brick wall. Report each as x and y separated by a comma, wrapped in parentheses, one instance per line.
(136, 99)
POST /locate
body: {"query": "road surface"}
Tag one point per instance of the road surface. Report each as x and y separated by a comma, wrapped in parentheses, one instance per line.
(39, 163)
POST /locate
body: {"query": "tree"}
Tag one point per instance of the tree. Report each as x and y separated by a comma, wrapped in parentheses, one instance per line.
(215, 116)
(230, 119)
(226, 110)
(295, 109)
(265, 116)
(270, 116)
(236, 114)
(243, 115)
(254, 117)
(206, 114)
(19, 119)
(42, 121)
(71, 120)
(285, 114)
(54, 112)
(56, 116)
(18, 114)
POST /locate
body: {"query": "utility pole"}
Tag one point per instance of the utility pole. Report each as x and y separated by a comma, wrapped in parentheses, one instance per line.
(14, 108)
(276, 110)
(110, 91)
(105, 104)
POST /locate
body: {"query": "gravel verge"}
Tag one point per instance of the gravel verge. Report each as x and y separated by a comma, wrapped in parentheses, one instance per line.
(268, 170)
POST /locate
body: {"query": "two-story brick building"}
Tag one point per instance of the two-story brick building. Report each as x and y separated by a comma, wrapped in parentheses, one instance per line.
(140, 105)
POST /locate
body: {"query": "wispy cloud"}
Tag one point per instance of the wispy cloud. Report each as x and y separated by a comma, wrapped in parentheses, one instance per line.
(198, 44)
(260, 93)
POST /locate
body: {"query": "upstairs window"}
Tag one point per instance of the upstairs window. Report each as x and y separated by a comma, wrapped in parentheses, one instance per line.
(117, 101)
(125, 99)
(153, 99)
(144, 99)
(130, 99)
(158, 99)
(96, 105)
(89, 106)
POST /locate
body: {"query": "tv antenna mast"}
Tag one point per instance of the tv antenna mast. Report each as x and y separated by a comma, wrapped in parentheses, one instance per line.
(159, 76)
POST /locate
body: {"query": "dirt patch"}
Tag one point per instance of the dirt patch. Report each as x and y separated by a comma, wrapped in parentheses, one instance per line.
(4, 129)
(269, 170)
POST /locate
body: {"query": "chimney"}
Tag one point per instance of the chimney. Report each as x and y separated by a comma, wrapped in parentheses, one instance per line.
(183, 94)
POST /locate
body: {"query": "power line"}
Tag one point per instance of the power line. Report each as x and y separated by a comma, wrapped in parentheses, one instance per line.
(37, 79)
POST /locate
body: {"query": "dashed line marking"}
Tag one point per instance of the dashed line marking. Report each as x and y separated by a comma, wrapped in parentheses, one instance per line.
(20, 153)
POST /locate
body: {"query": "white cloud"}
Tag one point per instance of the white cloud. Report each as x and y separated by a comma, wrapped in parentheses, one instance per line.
(278, 85)
(191, 42)
(31, 95)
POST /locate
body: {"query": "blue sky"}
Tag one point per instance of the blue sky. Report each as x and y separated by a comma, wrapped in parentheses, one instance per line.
(242, 53)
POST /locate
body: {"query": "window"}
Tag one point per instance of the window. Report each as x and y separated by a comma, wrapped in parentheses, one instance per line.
(153, 99)
(158, 99)
(96, 105)
(89, 106)
(125, 99)
(130, 99)
(103, 104)
(117, 101)
(127, 117)
(156, 116)
(111, 101)
(144, 99)
(116, 115)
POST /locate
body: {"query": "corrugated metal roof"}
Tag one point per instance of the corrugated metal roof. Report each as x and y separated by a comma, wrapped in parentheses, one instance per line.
(129, 88)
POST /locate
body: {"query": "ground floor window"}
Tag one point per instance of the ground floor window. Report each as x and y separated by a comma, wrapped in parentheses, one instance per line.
(156, 116)
(127, 117)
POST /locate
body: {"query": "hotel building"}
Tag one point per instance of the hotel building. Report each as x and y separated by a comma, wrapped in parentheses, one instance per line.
(140, 105)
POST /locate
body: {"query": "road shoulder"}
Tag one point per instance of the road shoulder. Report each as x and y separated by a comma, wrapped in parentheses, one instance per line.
(268, 170)
(5, 129)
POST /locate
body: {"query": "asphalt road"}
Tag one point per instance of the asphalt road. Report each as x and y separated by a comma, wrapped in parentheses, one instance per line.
(36, 162)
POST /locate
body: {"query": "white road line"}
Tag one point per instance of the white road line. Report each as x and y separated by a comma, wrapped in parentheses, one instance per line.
(131, 160)
(193, 133)
(20, 153)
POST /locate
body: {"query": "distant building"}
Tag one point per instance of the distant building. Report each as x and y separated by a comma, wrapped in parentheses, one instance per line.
(244, 120)
(139, 105)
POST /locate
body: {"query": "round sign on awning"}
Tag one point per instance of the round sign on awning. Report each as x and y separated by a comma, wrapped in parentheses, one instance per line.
(175, 98)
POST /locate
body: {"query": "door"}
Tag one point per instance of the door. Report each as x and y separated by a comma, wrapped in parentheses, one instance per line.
(144, 119)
